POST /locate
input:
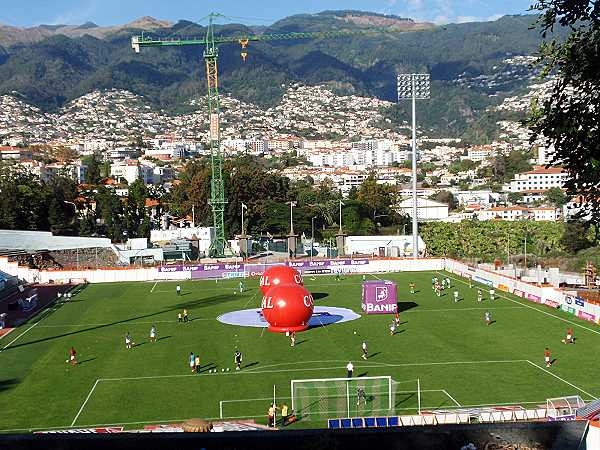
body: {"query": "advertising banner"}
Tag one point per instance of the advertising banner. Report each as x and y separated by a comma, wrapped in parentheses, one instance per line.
(379, 297)
(503, 287)
(534, 298)
(483, 281)
(568, 309)
(586, 316)
(519, 293)
(552, 303)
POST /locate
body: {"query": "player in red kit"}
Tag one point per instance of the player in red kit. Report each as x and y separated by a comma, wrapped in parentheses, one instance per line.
(569, 337)
(547, 357)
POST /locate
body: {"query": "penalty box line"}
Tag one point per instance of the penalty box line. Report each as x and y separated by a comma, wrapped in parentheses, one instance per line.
(528, 306)
(562, 379)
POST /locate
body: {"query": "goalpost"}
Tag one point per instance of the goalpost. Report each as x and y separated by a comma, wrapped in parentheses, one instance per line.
(323, 397)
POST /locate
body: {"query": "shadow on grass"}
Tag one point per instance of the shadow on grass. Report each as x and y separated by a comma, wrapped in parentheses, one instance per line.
(255, 363)
(319, 295)
(364, 374)
(193, 304)
(301, 342)
(405, 306)
(7, 384)
(85, 361)
(374, 355)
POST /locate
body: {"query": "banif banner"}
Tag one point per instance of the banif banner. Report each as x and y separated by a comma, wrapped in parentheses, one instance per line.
(379, 297)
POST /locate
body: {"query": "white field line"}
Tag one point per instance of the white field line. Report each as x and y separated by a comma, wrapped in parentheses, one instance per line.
(15, 339)
(562, 379)
(410, 311)
(449, 396)
(152, 290)
(532, 307)
(330, 361)
(85, 402)
(340, 368)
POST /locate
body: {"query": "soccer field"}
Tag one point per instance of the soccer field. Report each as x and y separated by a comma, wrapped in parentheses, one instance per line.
(457, 358)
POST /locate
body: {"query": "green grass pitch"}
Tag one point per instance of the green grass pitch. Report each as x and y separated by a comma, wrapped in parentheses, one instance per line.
(458, 359)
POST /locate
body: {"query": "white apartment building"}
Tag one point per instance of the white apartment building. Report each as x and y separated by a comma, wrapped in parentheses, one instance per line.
(132, 170)
(76, 170)
(538, 180)
(515, 213)
(427, 210)
(481, 152)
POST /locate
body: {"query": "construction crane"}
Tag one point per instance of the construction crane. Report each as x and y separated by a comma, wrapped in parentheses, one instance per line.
(211, 54)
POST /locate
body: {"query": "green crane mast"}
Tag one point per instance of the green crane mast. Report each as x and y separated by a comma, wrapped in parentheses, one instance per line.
(211, 54)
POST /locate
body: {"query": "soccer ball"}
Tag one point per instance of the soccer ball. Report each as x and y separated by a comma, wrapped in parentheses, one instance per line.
(228, 369)
(355, 332)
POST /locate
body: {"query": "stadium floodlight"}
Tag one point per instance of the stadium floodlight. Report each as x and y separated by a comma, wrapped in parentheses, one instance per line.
(414, 86)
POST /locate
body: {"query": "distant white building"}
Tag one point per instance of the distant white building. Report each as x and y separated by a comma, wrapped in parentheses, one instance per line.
(481, 153)
(427, 210)
(516, 213)
(132, 170)
(538, 180)
(390, 246)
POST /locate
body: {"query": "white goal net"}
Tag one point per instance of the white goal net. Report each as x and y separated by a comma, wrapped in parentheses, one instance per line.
(347, 397)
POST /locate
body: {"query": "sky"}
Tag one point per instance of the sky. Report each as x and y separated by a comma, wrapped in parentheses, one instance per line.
(257, 12)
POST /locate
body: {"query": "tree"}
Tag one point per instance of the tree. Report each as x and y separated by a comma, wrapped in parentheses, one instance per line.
(93, 173)
(556, 197)
(446, 197)
(567, 120)
(575, 237)
(515, 198)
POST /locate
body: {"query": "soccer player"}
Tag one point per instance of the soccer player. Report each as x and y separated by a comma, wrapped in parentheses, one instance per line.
(455, 296)
(470, 283)
(365, 351)
(178, 290)
(179, 317)
(237, 358)
(443, 283)
(153, 333)
(438, 289)
(72, 356)
(337, 276)
(569, 338)
(271, 415)
(412, 287)
(392, 328)
(192, 361)
(361, 396)
(492, 293)
(292, 338)
(349, 369)
(364, 277)
(197, 363)
(128, 340)
(547, 357)
(433, 281)
(448, 282)
(397, 319)
(488, 317)
(284, 414)
(185, 315)
(241, 285)
(479, 295)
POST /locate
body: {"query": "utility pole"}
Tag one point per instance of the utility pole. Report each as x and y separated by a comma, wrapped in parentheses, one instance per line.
(340, 238)
(312, 237)
(292, 235)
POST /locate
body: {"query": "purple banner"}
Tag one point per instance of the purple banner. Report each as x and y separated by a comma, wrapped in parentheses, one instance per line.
(235, 270)
(586, 316)
(534, 298)
(379, 297)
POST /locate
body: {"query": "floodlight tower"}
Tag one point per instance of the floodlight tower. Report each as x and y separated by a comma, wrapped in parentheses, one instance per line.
(414, 86)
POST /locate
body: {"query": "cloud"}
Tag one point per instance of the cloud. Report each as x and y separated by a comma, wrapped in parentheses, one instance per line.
(465, 19)
(441, 20)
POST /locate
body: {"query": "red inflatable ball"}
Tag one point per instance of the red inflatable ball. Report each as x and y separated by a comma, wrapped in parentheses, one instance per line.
(287, 307)
(277, 275)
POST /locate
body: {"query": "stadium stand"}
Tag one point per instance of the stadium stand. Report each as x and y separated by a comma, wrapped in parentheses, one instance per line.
(590, 411)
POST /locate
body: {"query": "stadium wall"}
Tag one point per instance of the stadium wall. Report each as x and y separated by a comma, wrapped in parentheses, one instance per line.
(545, 295)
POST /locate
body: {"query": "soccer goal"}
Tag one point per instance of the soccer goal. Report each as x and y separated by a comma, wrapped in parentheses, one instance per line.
(325, 397)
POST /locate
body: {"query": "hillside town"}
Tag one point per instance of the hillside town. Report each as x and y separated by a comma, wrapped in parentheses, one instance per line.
(335, 139)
